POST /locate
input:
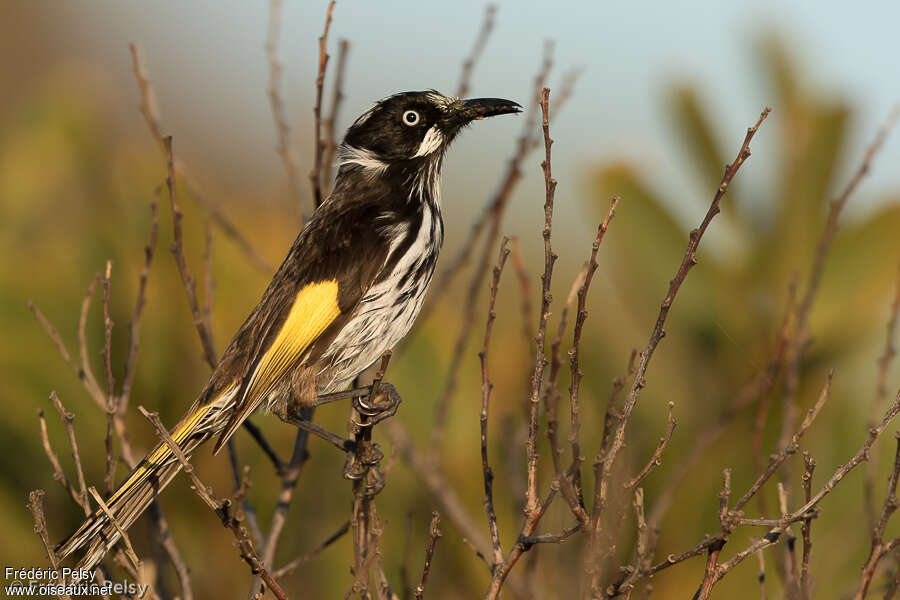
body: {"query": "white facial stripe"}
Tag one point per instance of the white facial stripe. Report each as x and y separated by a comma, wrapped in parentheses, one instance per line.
(350, 155)
(440, 100)
(433, 140)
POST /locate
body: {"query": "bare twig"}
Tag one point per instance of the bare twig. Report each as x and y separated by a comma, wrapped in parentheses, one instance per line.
(493, 216)
(305, 558)
(111, 409)
(67, 418)
(817, 269)
(605, 464)
(656, 458)
(190, 284)
(433, 534)
(129, 549)
(315, 175)
(135, 325)
(282, 131)
(774, 534)
(221, 507)
(330, 121)
(658, 332)
(884, 363)
(487, 25)
(776, 460)
(551, 400)
(36, 506)
(150, 111)
(809, 467)
(879, 547)
(486, 386)
(527, 142)
(534, 508)
(58, 473)
(87, 381)
(537, 377)
(574, 355)
(762, 574)
(290, 474)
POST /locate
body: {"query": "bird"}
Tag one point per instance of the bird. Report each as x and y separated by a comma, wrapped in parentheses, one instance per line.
(348, 290)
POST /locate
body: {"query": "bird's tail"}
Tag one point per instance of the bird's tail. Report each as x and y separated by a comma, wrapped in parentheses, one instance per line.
(98, 533)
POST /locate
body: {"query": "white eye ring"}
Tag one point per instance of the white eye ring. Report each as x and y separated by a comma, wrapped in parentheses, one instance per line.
(410, 118)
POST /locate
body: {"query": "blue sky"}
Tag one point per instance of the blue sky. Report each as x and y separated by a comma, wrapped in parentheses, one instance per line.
(209, 69)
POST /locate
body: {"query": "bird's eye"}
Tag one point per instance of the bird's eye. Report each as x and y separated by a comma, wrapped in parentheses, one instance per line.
(410, 118)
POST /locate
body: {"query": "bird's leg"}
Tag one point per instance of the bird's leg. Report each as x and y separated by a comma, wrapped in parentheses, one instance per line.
(377, 407)
(297, 405)
(380, 403)
(371, 410)
(295, 419)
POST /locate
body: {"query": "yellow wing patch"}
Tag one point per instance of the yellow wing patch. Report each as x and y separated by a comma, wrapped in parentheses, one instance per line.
(314, 309)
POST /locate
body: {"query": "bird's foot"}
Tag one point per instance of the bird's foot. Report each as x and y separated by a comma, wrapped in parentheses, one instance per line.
(375, 408)
(362, 462)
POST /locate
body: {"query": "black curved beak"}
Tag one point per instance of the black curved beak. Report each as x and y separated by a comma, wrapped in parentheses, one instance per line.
(478, 108)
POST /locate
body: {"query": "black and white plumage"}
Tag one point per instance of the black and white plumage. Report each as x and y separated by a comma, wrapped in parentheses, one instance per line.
(348, 290)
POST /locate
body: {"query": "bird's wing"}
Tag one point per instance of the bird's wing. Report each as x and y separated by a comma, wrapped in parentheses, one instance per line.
(330, 266)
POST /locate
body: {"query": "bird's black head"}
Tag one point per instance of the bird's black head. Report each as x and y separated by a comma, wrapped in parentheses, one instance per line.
(414, 125)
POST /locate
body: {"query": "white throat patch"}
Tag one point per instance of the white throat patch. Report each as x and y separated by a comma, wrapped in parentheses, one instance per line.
(432, 141)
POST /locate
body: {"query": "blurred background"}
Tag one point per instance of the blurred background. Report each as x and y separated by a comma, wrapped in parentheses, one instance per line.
(662, 103)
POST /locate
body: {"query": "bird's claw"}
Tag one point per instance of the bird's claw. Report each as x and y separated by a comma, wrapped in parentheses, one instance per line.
(377, 408)
(361, 460)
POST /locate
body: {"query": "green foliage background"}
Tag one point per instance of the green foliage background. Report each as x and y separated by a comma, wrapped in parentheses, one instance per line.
(76, 191)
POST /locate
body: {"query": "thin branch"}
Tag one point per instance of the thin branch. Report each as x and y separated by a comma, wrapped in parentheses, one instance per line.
(188, 281)
(487, 26)
(58, 473)
(809, 466)
(879, 547)
(534, 508)
(493, 211)
(433, 534)
(658, 332)
(493, 216)
(551, 400)
(315, 175)
(800, 514)
(135, 325)
(150, 112)
(537, 377)
(762, 574)
(330, 121)
(68, 418)
(884, 363)
(36, 506)
(486, 387)
(817, 269)
(87, 373)
(111, 408)
(290, 474)
(282, 131)
(129, 549)
(87, 381)
(305, 558)
(574, 355)
(656, 458)
(776, 460)
(221, 507)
